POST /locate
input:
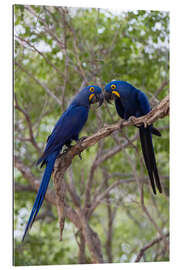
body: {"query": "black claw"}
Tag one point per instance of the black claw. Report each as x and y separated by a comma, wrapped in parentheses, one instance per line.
(67, 149)
(82, 139)
(80, 156)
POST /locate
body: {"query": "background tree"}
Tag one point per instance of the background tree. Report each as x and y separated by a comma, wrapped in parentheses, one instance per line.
(58, 51)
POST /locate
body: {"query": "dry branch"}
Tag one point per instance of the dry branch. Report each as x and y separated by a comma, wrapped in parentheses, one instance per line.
(160, 111)
(152, 243)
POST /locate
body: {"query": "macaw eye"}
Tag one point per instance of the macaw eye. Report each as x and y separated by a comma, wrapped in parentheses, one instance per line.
(113, 86)
(91, 89)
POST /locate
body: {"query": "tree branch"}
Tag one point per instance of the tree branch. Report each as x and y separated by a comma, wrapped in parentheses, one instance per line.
(160, 111)
(28, 120)
(46, 26)
(39, 52)
(42, 84)
(50, 194)
(152, 243)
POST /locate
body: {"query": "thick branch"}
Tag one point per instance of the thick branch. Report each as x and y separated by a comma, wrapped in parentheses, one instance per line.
(90, 236)
(160, 111)
(108, 244)
(81, 244)
(20, 187)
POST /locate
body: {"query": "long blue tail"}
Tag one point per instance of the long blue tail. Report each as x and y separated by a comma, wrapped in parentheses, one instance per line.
(149, 157)
(42, 190)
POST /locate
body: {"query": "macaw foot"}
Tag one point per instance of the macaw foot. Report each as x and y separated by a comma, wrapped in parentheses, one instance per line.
(132, 119)
(145, 123)
(82, 139)
(79, 142)
(68, 147)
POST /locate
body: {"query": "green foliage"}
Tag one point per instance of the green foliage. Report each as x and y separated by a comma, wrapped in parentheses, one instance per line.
(130, 46)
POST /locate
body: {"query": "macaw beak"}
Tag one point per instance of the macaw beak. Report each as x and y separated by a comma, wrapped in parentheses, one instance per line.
(96, 98)
(108, 97)
(113, 95)
(100, 99)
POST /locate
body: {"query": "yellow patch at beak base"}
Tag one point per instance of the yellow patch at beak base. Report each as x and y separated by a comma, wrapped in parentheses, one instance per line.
(116, 93)
(91, 96)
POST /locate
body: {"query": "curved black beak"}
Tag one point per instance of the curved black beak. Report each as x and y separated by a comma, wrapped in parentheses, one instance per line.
(98, 98)
(108, 97)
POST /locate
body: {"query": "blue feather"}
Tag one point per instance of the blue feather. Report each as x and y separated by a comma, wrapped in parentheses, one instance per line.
(42, 190)
(66, 129)
(130, 101)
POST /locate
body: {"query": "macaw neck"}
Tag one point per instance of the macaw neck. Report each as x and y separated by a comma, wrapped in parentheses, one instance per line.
(76, 103)
(81, 99)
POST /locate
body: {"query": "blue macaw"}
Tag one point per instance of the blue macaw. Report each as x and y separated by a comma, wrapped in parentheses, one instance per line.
(130, 101)
(66, 129)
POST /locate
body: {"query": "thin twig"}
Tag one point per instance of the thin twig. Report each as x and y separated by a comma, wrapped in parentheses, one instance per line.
(28, 120)
(42, 84)
(40, 53)
(149, 245)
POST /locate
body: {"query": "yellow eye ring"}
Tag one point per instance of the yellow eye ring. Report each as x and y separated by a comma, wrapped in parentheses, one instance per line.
(91, 89)
(113, 86)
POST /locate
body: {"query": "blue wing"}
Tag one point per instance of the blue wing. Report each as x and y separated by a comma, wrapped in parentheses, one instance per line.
(119, 107)
(143, 104)
(67, 128)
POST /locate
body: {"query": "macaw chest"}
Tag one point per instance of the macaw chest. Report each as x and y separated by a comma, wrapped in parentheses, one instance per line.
(126, 107)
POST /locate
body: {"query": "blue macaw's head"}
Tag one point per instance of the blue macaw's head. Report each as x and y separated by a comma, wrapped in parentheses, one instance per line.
(116, 89)
(89, 95)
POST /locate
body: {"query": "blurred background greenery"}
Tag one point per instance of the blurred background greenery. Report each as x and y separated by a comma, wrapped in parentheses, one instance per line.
(58, 51)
